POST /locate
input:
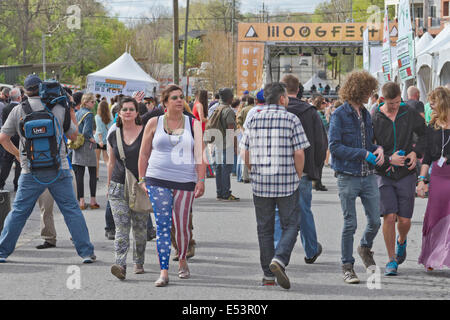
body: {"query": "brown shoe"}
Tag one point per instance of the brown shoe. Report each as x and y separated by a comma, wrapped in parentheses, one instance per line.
(118, 271)
(138, 269)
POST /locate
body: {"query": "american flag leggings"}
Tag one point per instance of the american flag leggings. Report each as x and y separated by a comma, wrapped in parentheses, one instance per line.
(171, 208)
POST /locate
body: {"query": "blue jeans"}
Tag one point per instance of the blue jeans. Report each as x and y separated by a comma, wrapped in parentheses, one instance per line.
(351, 187)
(223, 172)
(26, 197)
(308, 233)
(265, 219)
(239, 167)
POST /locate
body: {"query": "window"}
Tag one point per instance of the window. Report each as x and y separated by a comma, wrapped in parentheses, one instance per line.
(445, 9)
(433, 11)
(418, 12)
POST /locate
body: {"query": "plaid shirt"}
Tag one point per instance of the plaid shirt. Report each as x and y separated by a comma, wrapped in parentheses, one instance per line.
(272, 136)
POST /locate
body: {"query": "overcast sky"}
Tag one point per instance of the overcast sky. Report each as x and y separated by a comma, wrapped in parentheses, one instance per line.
(136, 8)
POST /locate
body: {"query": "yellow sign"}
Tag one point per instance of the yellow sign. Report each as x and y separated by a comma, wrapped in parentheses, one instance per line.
(250, 57)
(314, 32)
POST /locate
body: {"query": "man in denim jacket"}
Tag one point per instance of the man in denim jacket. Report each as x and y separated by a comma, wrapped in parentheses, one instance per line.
(354, 161)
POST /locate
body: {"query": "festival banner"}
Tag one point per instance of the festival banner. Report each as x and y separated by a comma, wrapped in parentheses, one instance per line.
(405, 42)
(366, 50)
(386, 60)
(250, 60)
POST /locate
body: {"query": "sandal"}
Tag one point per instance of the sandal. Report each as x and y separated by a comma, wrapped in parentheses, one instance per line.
(84, 207)
(184, 273)
(161, 282)
(95, 206)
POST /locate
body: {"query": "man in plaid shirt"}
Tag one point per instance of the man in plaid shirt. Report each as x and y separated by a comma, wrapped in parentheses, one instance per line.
(272, 148)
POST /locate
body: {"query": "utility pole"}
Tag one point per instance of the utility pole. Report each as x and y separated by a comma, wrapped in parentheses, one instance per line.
(176, 71)
(233, 42)
(185, 46)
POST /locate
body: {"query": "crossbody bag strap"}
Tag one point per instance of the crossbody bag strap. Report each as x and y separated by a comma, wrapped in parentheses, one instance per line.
(120, 145)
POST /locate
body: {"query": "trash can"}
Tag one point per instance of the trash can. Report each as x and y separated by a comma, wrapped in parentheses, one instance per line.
(5, 206)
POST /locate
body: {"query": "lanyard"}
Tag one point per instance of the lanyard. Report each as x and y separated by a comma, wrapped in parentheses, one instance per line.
(444, 144)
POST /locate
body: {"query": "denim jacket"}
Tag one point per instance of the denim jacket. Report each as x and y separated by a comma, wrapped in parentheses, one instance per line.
(345, 140)
(87, 125)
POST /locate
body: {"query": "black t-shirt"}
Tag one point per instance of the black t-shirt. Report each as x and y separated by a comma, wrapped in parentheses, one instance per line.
(434, 145)
(131, 154)
(417, 105)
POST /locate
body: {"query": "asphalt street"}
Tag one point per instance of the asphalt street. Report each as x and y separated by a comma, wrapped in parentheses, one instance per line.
(226, 262)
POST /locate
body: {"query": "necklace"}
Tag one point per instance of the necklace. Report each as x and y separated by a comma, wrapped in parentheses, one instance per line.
(175, 134)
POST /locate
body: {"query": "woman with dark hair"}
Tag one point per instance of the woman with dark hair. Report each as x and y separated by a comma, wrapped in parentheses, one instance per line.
(320, 104)
(172, 181)
(103, 122)
(131, 131)
(200, 110)
(85, 155)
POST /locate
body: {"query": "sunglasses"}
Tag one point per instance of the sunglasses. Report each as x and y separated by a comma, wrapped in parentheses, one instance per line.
(177, 97)
(128, 109)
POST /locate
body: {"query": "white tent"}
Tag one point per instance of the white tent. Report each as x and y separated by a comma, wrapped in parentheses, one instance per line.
(427, 69)
(443, 65)
(123, 76)
(315, 79)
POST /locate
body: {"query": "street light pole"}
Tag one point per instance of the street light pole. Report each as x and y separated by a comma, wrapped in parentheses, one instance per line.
(44, 69)
(176, 71)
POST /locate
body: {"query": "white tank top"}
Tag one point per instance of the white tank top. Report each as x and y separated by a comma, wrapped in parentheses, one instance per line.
(172, 157)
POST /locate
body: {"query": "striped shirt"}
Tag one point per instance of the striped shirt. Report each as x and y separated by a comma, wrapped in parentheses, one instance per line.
(272, 136)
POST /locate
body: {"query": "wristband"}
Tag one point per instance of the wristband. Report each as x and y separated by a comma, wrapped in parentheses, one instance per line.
(201, 180)
(141, 180)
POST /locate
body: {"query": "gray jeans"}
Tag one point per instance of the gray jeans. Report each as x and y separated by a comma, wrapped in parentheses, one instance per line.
(289, 212)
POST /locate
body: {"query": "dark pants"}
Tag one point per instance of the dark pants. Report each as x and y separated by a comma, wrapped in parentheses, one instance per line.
(223, 172)
(79, 176)
(289, 212)
(6, 161)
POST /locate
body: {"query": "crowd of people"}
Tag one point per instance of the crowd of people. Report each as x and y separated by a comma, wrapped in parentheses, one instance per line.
(158, 153)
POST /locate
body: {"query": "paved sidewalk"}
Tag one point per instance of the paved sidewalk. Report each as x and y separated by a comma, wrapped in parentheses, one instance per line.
(226, 265)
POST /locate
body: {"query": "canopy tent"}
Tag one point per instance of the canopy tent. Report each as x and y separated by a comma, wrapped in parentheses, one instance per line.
(315, 80)
(123, 76)
(423, 42)
(443, 65)
(427, 64)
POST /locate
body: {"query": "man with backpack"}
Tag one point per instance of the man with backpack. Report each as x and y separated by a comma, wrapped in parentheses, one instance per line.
(44, 165)
(224, 119)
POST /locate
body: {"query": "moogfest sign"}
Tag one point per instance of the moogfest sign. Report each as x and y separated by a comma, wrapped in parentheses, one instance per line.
(327, 32)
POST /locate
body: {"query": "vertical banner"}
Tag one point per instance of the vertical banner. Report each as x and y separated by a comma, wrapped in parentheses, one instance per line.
(405, 42)
(386, 53)
(366, 50)
(249, 66)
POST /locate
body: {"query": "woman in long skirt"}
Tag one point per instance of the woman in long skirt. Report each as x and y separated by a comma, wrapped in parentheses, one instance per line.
(436, 226)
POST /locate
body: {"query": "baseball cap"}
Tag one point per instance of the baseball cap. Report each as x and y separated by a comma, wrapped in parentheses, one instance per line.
(246, 92)
(31, 81)
(260, 96)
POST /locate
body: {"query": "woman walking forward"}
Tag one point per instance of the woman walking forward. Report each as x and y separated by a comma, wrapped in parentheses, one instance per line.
(435, 233)
(131, 132)
(171, 165)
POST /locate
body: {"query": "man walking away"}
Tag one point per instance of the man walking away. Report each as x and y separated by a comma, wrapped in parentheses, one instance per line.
(272, 148)
(314, 160)
(59, 181)
(395, 125)
(414, 102)
(354, 161)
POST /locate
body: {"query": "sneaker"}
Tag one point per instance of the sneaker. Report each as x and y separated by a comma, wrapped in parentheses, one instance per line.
(110, 235)
(138, 269)
(367, 257)
(90, 259)
(231, 198)
(218, 198)
(400, 253)
(151, 234)
(349, 274)
(2, 260)
(268, 282)
(391, 268)
(118, 271)
(46, 245)
(314, 258)
(280, 274)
